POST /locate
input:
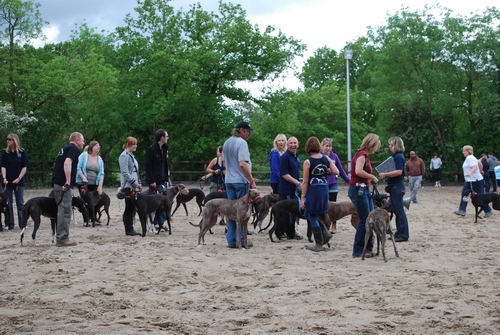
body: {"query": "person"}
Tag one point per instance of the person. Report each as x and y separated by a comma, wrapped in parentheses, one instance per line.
(396, 184)
(314, 197)
(359, 191)
(289, 186)
(63, 180)
(485, 172)
(90, 168)
(279, 148)
(492, 161)
(238, 174)
(217, 169)
(129, 177)
(497, 176)
(14, 163)
(473, 180)
(157, 168)
(436, 167)
(333, 184)
(415, 170)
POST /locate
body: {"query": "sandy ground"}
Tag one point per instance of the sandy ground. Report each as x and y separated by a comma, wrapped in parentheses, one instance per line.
(445, 282)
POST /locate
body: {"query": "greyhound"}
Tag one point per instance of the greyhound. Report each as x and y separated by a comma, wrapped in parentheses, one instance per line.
(47, 206)
(481, 200)
(238, 210)
(95, 201)
(193, 192)
(378, 221)
(261, 209)
(215, 195)
(147, 203)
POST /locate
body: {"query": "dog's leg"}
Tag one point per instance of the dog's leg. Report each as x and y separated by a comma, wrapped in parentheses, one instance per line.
(368, 235)
(389, 230)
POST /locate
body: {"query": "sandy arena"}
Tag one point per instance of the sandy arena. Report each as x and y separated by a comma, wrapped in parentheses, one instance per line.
(445, 282)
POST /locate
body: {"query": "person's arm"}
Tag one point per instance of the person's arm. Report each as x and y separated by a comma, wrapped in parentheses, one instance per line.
(100, 175)
(342, 172)
(4, 175)
(333, 168)
(67, 172)
(150, 179)
(422, 168)
(305, 185)
(247, 173)
(360, 171)
(80, 168)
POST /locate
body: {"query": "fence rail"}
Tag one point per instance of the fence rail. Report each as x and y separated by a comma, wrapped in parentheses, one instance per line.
(40, 171)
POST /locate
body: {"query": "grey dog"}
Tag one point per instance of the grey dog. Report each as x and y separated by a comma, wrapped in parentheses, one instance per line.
(238, 210)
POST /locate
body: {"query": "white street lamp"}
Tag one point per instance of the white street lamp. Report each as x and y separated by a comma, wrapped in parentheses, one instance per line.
(348, 55)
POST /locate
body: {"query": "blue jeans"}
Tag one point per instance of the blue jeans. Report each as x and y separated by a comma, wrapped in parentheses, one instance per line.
(478, 187)
(163, 215)
(363, 206)
(18, 191)
(397, 193)
(235, 191)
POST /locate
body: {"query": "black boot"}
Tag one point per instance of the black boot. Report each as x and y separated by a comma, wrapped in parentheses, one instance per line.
(318, 237)
(327, 236)
(129, 230)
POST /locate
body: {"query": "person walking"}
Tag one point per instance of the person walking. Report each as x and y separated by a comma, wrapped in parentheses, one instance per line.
(396, 183)
(359, 191)
(63, 180)
(279, 148)
(436, 167)
(238, 174)
(492, 161)
(415, 170)
(314, 197)
(14, 163)
(129, 178)
(289, 186)
(333, 183)
(473, 180)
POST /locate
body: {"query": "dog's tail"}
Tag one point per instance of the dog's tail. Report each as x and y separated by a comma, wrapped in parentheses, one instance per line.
(196, 225)
(271, 217)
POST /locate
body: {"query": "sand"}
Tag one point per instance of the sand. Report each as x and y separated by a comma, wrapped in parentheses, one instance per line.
(446, 280)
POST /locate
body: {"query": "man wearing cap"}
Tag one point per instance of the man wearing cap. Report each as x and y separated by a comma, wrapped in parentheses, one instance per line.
(492, 161)
(238, 173)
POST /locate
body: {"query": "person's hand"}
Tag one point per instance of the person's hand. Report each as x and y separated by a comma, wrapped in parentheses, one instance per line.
(253, 184)
(66, 187)
(99, 190)
(303, 204)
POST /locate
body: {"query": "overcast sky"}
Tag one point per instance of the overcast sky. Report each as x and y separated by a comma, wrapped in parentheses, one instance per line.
(316, 23)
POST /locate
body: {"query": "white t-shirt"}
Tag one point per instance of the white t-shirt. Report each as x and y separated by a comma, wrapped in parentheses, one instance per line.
(469, 162)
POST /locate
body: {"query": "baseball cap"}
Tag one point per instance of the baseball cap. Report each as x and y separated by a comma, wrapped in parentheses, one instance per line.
(490, 153)
(244, 125)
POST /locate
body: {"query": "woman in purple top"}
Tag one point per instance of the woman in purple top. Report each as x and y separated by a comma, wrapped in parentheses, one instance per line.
(279, 148)
(333, 184)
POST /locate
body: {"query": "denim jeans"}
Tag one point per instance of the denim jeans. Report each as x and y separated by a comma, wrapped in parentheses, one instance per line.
(235, 191)
(397, 194)
(478, 187)
(18, 191)
(163, 215)
(363, 206)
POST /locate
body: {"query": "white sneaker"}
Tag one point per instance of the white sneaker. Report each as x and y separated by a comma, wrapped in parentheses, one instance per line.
(436, 185)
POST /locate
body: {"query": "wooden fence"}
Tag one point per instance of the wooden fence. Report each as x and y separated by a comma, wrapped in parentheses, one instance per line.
(40, 172)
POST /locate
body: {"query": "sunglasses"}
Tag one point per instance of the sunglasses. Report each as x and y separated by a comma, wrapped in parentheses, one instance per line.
(9, 139)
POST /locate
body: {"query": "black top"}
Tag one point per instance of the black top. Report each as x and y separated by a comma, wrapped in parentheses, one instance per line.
(156, 164)
(69, 151)
(13, 164)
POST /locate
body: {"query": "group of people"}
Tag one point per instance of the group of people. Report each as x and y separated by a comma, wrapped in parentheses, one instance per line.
(233, 171)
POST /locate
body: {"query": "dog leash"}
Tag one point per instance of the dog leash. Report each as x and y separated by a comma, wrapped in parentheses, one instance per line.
(301, 212)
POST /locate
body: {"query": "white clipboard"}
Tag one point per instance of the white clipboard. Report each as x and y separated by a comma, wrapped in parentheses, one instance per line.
(386, 166)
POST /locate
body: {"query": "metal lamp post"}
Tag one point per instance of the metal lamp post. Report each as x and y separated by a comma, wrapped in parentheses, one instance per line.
(348, 55)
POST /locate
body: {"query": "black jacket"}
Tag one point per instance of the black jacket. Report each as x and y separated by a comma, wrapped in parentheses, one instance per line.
(156, 157)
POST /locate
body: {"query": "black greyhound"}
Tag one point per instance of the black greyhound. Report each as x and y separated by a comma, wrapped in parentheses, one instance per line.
(47, 206)
(193, 192)
(95, 201)
(481, 200)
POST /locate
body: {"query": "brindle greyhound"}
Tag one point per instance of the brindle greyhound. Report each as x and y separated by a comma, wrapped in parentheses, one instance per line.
(238, 210)
(47, 206)
(378, 221)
